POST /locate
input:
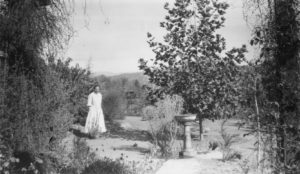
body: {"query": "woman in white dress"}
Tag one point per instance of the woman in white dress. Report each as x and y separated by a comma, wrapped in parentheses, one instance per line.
(95, 118)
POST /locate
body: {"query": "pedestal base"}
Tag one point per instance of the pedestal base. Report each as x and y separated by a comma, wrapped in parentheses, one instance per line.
(187, 154)
(187, 121)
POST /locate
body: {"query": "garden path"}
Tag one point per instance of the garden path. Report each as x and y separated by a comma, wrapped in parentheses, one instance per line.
(200, 165)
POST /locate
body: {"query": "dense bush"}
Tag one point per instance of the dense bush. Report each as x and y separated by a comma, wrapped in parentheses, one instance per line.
(78, 83)
(34, 118)
(113, 105)
(127, 95)
(36, 115)
(24, 162)
(163, 127)
(39, 95)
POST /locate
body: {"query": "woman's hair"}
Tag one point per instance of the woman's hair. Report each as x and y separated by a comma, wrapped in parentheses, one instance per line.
(92, 89)
(95, 86)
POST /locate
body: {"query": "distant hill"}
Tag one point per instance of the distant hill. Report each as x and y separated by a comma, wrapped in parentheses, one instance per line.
(130, 76)
(96, 74)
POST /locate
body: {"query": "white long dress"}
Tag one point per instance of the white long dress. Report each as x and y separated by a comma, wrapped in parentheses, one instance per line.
(95, 118)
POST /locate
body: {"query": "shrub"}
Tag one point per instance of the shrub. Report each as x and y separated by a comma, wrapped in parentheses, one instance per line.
(69, 170)
(163, 127)
(113, 105)
(28, 163)
(146, 166)
(213, 145)
(38, 116)
(78, 83)
(244, 165)
(80, 156)
(108, 166)
(32, 163)
(94, 133)
(148, 112)
(6, 158)
(36, 96)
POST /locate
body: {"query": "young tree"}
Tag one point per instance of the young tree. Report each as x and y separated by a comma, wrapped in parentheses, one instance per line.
(192, 61)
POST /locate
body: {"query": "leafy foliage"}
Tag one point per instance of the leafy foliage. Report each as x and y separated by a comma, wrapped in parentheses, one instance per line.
(122, 95)
(33, 115)
(39, 94)
(35, 110)
(77, 82)
(108, 166)
(192, 61)
(26, 45)
(113, 105)
(278, 96)
(81, 156)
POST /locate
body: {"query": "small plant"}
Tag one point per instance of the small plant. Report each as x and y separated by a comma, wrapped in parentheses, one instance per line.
(6, 163)
(69, 170)
(25, 162)
(93, 133)
(31, 169)
(226, 144)
(213, 145)
(148, 112)
(146, 166)
(107, 166)
(244, 165)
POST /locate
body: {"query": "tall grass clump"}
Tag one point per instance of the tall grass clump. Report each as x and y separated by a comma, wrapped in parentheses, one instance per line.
(226, 143)
(163, 127)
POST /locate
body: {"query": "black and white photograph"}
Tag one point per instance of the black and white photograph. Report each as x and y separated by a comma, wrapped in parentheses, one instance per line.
(149, 86)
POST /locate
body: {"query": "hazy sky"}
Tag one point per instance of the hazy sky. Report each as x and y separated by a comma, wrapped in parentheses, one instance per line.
(111, 34)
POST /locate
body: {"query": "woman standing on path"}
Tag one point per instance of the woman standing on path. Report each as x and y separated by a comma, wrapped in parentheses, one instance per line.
(95, 118)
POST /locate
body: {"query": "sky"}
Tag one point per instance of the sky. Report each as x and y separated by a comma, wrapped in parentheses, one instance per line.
(111, 35)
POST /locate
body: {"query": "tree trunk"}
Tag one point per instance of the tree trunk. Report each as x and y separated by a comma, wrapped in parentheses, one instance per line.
(200, 126)
(258, 128)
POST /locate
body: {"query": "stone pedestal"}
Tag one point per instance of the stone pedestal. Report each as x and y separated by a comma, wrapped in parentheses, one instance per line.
(187, 120)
